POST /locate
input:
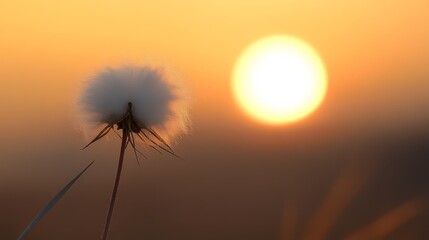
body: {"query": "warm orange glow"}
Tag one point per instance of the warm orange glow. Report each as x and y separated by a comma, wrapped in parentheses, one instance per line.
(279, 80)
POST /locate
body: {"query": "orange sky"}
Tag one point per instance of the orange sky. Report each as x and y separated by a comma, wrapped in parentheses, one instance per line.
(376, 54)
(370, 48)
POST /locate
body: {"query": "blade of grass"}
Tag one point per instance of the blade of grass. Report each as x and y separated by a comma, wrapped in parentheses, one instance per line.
(52, 203)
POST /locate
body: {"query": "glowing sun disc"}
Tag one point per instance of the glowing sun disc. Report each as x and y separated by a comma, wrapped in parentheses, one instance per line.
(279, 79)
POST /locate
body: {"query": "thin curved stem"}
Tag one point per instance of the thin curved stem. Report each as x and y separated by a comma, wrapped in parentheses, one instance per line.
(116, 186)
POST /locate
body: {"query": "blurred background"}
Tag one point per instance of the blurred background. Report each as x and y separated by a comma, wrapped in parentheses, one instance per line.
(355, 169)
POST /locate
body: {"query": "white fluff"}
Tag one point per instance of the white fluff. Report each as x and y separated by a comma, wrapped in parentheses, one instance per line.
(157, 102)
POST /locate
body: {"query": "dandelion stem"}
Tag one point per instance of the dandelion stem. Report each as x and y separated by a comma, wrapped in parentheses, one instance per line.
(115, 187)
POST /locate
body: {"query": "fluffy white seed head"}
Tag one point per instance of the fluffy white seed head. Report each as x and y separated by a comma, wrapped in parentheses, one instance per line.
(157, 101)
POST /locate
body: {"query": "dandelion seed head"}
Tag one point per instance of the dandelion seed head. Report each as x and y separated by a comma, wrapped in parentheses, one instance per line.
(158, 101)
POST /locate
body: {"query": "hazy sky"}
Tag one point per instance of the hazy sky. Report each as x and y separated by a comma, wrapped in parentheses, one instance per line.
(240, 177)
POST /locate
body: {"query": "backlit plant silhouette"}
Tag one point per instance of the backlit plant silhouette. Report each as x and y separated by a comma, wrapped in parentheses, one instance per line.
(141, 102)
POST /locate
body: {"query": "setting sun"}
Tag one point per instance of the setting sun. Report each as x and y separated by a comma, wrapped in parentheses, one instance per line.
(218, 119)
(279, 79)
